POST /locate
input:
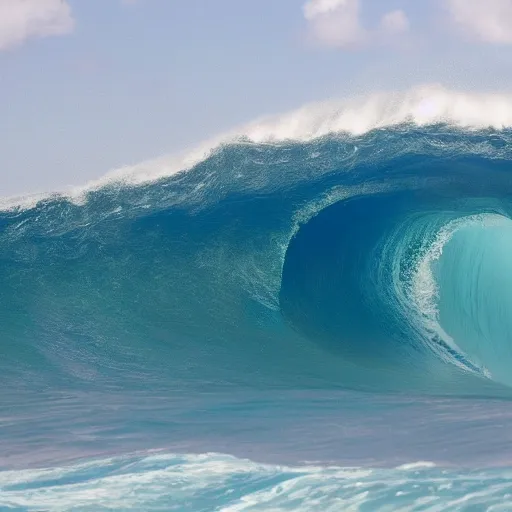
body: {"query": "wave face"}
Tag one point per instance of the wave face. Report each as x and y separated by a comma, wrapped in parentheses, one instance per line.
(376, 261)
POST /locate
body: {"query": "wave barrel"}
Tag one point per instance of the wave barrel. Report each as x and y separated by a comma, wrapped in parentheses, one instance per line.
(474, 279)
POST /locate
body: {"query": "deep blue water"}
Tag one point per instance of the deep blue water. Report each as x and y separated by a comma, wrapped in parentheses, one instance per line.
(327, 315)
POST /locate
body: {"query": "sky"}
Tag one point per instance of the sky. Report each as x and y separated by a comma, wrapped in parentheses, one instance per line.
(87, 86)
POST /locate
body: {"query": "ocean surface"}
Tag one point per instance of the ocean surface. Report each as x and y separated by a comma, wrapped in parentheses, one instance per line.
(311, 313)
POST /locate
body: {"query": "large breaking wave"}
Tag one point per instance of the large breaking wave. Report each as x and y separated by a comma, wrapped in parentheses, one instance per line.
(361, 248)
(370, 261)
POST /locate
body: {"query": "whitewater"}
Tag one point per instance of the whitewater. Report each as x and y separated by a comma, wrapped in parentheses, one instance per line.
(311, 312)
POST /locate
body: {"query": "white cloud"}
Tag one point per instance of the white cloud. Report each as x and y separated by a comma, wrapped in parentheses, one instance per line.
(337, 23)
(24, 19)
(487, 20)
(395, 22)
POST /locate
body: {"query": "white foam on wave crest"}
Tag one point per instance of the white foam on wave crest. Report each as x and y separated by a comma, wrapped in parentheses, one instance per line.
(422, 106)
(224, 483)
(426, 105)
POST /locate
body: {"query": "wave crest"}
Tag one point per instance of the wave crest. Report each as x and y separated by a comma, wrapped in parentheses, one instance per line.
(421, 106)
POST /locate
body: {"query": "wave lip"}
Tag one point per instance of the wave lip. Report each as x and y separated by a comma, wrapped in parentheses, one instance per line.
(421, 106)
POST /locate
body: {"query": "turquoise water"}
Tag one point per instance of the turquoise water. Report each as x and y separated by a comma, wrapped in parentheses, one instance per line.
(475, 292)
(330, 315)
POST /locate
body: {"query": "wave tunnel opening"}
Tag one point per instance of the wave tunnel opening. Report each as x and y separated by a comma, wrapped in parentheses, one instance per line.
(353, 283)
(474, 292)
